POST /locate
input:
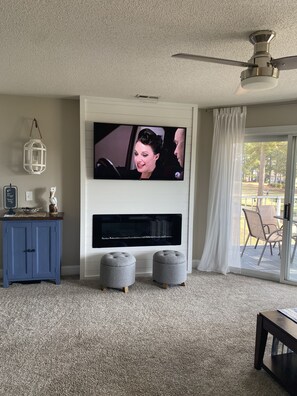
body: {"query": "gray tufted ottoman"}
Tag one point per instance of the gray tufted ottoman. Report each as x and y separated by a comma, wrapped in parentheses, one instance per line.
(117, 270)
(169, 268)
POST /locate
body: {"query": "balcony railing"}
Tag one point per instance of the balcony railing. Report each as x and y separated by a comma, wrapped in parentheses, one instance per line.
(252, 201)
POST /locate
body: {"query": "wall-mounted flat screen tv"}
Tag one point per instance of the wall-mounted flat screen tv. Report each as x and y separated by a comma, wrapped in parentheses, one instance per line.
(138, 152)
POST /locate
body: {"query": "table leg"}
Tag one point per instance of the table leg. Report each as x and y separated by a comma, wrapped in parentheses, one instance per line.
(261, 339)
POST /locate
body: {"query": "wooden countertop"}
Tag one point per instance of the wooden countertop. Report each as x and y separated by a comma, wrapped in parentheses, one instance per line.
(20, 215)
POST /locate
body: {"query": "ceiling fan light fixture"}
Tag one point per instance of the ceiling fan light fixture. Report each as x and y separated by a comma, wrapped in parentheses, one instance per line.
(259, 78)
(259, 83)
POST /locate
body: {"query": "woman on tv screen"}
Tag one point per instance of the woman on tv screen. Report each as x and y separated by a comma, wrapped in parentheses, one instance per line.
(146, 153)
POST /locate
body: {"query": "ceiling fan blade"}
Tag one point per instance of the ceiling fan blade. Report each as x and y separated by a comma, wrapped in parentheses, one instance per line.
(214, 60)
(286, 63)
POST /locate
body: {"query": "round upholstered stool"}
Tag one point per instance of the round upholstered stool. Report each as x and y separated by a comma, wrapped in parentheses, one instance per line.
(117, 270)
(169, 268)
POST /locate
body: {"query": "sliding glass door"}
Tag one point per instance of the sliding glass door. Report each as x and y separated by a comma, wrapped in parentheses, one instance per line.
(268, 239)
(263, 192)
(289, 257)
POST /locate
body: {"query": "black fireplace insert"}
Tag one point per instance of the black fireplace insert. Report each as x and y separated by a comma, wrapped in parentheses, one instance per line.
(114, 230)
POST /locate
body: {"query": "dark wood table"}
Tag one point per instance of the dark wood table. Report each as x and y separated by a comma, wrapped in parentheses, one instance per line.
(282, 367)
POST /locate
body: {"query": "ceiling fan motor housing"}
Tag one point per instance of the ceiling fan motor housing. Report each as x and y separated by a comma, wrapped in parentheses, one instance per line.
(262, 61)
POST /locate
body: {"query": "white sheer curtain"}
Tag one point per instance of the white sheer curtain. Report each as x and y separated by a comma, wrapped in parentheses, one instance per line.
(221, 246)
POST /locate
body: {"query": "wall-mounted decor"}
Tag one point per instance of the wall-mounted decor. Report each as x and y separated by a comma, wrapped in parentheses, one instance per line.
(34, 157)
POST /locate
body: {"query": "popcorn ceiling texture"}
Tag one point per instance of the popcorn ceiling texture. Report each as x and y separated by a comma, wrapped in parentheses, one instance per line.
(118, 49)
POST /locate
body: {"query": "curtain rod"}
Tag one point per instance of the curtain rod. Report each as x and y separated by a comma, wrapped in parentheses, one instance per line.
(222, 107)
(250, 105)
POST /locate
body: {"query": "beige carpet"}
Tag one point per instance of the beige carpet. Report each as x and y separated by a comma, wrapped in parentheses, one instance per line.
(74, 339)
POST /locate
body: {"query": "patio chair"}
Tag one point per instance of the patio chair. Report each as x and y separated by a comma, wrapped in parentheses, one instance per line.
(271, 223)
(269, 220)
(257, 230)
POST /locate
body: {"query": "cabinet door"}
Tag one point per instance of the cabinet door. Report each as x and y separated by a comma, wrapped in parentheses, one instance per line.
(17, 250)
(45, 242)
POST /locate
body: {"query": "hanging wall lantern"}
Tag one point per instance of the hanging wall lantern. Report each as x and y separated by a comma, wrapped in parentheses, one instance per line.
(34, 159)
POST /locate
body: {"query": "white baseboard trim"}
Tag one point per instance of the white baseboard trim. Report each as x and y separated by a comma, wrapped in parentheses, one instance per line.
(70, 270)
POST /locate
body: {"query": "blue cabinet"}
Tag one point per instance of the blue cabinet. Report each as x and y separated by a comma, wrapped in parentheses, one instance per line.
(31, 250)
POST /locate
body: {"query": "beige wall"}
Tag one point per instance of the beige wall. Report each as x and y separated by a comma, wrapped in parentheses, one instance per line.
(257, 116)
(203, 156)
(271, 115)
(58, 120)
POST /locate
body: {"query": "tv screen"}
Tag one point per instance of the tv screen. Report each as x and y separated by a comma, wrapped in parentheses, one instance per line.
(138, 152)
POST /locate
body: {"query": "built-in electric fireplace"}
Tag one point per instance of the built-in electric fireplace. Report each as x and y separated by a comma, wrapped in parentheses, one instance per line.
(114, 230)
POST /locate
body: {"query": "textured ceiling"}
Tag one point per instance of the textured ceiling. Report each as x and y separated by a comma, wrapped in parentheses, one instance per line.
(120, 48)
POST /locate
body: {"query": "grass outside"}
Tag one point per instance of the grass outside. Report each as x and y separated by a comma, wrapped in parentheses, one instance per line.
(251, 188)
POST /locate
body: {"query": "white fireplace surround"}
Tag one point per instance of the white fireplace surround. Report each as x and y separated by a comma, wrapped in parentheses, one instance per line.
(134, 196)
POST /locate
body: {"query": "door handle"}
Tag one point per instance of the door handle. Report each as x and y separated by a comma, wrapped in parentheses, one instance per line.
(29, 250)
(287, 211)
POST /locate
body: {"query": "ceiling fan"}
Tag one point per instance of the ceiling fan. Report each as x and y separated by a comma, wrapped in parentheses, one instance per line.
(262, 70)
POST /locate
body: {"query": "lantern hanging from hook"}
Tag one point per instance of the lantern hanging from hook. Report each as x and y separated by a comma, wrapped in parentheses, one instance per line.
(34, 156)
